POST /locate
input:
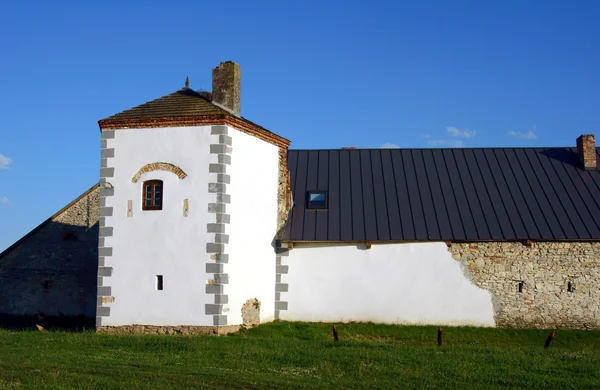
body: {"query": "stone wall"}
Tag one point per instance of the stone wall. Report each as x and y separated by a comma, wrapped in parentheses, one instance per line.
(185, 330)
(52, 272)
(559, 282)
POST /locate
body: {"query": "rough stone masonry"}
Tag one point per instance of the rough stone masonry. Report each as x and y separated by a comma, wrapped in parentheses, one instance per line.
(545, 285)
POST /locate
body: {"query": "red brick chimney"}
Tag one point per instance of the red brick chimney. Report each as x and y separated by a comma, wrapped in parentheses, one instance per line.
(226, 86)
(586, 149)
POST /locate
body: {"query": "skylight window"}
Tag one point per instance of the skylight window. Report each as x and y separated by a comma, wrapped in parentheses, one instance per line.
(317, 199)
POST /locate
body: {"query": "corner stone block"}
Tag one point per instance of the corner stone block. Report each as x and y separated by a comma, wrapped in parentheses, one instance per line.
(281, 287)
(218, 130)
(223, 218)
(222, 258)
(215, 227)
(223, 178)
(214, 268)
(221, 299)
(103, 311)
(281, 305)
(220, 320)
(219, 149)
(98, 321)
(224, 198)
(221, 278)
(108, 134)
(213, 289)
(217, 208)
(225, 140)
(210, 308)
(107, 172)
(224, 159)
(105, 212)
(104, 292)
(105, 271)
(107, 191)
(106, 232)
(282, 269)
(107, 153)
(221, 238)
(217, 188)
(217, 168)
(214, 248)
(105, 252)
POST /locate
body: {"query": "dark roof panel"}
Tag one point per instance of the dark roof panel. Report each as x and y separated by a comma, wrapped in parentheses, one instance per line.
(491, 194)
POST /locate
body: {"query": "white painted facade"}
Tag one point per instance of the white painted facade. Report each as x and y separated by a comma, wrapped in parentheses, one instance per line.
(254, 174)
(413, 283)
(162, 242)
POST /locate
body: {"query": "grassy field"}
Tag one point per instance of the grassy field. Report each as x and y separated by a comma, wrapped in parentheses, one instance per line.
(300, 355)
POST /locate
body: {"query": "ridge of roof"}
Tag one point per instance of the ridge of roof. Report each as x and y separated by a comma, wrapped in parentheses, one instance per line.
(464, 148)
(47, 221)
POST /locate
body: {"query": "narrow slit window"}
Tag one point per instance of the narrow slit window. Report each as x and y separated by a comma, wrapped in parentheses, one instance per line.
(159, 282)
(152, 195)
(317, 200)
(521, 284)
(570, 287)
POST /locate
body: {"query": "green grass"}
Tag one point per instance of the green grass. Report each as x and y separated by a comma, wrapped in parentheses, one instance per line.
(301, 355)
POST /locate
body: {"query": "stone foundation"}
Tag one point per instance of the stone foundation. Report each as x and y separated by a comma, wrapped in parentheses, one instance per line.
(559, 282)
(172, 330)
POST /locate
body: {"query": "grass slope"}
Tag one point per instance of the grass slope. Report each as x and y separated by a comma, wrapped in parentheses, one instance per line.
(301, 355)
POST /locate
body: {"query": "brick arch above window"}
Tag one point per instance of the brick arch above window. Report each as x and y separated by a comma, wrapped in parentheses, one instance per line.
(159, 166)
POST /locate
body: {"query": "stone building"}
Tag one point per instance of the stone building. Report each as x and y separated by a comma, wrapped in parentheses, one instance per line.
(205, 221)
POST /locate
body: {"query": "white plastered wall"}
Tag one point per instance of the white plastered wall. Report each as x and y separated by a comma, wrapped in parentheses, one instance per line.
(151, 243)
(254, 174)
(416, 283)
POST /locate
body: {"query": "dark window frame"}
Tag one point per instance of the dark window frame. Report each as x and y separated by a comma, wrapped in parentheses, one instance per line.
(152, 193)
(317, 192)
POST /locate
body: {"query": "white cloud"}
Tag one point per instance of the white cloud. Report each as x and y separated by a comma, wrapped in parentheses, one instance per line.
(446, 143)
(466, 133)
(517, 134)
(4, 161)
(389, 145)
(4, 200)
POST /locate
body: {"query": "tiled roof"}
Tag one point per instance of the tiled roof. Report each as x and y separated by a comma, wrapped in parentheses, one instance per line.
(186, 107)
(185, 102)
(491, 194)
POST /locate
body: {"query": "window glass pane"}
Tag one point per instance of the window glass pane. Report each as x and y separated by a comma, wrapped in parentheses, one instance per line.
(148, 202)
(318, 199)
(157, 202)
(157, 187)
(148, 189)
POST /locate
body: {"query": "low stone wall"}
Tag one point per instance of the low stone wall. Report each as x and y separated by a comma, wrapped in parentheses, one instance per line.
(173, 330)
(544, 285)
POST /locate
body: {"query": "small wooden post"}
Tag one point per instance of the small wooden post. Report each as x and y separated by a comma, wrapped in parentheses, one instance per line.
(335, 334)
(439, 337)
(549, 339)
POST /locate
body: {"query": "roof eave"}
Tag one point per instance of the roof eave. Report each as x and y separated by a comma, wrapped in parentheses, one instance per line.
(193, 120)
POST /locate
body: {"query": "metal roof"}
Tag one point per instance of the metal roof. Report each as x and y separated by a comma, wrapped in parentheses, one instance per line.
(486, 194)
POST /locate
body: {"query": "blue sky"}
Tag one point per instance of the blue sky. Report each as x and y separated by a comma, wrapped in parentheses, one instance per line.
(322, 74)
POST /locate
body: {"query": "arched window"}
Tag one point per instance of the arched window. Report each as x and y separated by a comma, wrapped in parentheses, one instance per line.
(152, 195)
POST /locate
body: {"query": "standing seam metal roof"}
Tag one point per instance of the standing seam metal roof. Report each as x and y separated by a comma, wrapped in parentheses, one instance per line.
(486, 194)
